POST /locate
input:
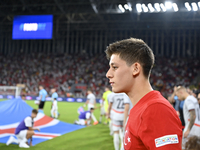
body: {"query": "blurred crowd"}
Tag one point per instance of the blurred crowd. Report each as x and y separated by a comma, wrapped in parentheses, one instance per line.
(59, 71)
(62, 71)
(170, 72)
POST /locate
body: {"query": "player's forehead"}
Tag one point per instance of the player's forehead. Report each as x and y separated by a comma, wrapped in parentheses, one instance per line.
(116, 60)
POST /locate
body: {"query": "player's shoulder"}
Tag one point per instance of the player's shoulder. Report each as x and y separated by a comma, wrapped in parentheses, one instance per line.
(28, 118)
(155, 97)
(111, 95)
(156, 100)
(91, 95)
(191, 98)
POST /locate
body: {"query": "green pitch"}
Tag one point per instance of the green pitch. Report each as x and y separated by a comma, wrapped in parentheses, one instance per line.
(90, 138)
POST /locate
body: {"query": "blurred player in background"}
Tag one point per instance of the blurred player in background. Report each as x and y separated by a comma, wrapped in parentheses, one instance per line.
(177, 104)
(85, 117)
(42, 97)
(23, 97)
(116, 113)
(91, 103)
(198, 98)
(131, 61)
(105, 99)
(102, 111)
(54, 108)
(24, 131)
(190, 112)
(127, 108)
(54, 94)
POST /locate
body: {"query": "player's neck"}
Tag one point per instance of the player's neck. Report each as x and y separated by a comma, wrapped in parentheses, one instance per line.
(139, 89)
(186, 95)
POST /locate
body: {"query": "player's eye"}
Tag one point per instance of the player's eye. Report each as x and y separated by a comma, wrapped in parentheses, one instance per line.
(114, 67)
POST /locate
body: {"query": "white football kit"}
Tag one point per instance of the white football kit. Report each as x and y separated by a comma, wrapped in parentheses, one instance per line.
(117, 110)
(54, 109)
(102, 112)
(91, 97)
(191, 103)
(92, 100)
(22, 134)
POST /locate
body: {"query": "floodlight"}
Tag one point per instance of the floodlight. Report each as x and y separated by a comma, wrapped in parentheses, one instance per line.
(139, 7)
(194, 6)
(151, 7)
(157, 6)
(145, 8)
(168, 5)
(126, 7)
(121, 8)
(175, 7)
(163, 7)
(129, 6)
(187, 5)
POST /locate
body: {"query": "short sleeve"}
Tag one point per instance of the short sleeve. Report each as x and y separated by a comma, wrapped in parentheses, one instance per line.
(40, 93)
(160, 128)
(88, 97)
(28, 122)
(126, 99)
(87, 115)
(110, 98)
(189, 104)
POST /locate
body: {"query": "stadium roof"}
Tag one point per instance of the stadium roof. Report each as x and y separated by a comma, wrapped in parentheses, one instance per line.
(104, 14)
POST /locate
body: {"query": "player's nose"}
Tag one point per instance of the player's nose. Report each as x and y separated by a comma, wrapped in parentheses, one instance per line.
(109, 74)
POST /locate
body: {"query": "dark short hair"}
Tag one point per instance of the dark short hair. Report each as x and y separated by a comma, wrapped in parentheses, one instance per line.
(89, 89)
(35, 111)
(133, 50)
(193, 143)
(107, 87)
(91, 108)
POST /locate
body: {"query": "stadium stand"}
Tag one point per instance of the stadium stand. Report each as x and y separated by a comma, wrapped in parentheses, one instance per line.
(63, 71)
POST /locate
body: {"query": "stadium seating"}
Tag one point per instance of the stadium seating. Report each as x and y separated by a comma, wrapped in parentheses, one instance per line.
(64, 70)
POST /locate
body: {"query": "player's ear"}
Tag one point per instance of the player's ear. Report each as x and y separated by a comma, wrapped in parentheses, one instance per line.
(136, 69)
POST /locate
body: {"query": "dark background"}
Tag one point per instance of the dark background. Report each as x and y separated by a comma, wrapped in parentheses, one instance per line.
(90, 25)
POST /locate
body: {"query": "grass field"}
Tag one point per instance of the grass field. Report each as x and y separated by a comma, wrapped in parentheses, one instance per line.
(90, 138)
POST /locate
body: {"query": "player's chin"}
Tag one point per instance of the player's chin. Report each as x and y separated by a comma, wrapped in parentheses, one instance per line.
(115, 90)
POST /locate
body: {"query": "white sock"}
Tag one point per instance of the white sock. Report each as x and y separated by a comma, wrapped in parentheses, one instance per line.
(56, 113)
(52, 111)
(110, 126)
(116, 141)
(93, 118)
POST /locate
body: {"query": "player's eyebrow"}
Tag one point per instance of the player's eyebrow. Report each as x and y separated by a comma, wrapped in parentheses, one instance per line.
(111, 64)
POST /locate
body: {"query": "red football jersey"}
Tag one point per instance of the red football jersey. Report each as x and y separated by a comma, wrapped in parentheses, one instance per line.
(153, 125)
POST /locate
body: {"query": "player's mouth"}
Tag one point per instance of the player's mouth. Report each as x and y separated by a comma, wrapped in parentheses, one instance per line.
(111, 83)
